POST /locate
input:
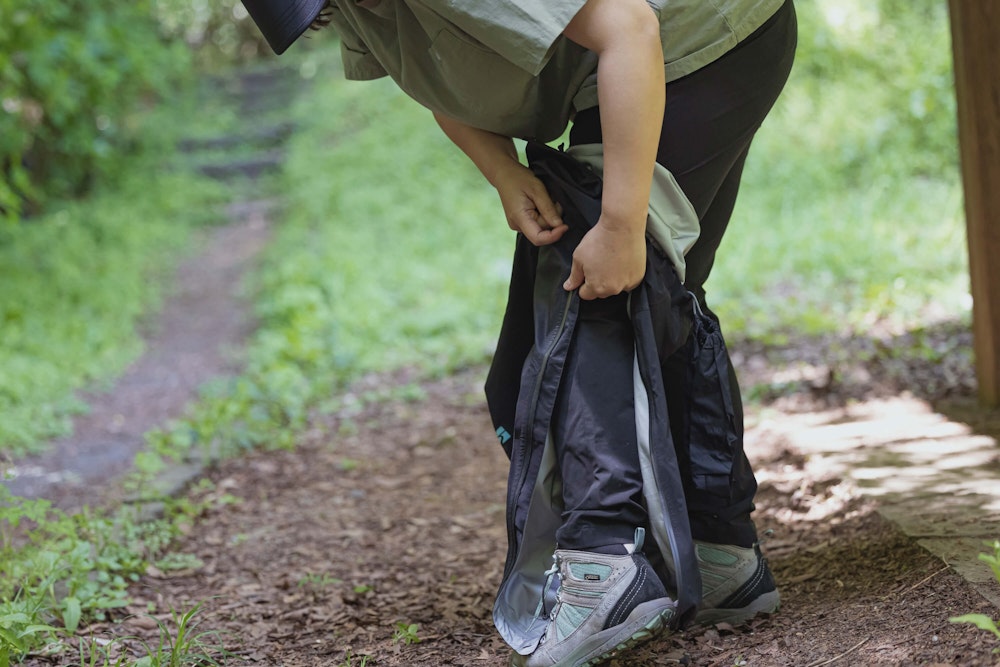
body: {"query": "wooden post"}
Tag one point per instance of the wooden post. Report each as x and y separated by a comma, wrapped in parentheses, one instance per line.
(975, 27)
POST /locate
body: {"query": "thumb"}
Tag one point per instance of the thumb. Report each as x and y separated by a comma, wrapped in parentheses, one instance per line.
(548, 210)
(576, 277)
(550, 213)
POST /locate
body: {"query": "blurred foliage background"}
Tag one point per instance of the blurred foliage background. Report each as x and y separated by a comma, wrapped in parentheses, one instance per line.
(75, 76)
(93, 96)
(391, 249)
(850, 215)
(388, 249)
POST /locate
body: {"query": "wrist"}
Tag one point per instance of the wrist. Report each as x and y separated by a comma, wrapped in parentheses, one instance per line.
(499, 166)
(619, 223)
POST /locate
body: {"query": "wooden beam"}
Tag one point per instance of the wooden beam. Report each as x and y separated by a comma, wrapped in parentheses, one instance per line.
(975, 26)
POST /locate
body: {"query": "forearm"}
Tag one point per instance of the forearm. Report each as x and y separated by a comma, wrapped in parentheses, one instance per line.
(631, 101)
(631, 96)
(490, 152)
(625, 35)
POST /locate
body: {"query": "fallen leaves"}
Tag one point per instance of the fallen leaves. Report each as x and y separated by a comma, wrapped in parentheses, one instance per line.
(320, 561)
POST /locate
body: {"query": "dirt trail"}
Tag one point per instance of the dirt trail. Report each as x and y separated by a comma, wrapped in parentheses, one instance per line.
(393, 513)
(197, 333)
(205, 319)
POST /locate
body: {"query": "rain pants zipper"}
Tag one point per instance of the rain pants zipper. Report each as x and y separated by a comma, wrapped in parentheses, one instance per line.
(530, 427)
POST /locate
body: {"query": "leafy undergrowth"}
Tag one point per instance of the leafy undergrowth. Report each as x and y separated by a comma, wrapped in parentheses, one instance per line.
(850, 212)
(60, 572)
(77, 284)
(983, 621)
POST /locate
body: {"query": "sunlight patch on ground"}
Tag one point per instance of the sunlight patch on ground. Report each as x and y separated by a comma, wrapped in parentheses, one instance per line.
(937, 479)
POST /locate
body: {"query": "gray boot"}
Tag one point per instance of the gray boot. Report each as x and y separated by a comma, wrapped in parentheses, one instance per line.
(737, 584)
(605, 605)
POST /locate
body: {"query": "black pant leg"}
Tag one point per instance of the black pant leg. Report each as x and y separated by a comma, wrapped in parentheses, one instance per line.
(709, 121)
(593, 426)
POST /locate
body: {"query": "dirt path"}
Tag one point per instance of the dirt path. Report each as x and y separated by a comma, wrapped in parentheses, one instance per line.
(205, 319)
(196, 337)
(393, 513)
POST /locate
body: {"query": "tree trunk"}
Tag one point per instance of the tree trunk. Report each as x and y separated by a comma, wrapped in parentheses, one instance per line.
(975, 26)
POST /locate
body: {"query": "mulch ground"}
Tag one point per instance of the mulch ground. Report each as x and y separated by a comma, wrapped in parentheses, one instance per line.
(391, 512)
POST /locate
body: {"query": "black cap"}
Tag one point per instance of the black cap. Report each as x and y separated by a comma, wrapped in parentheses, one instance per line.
(282, 21)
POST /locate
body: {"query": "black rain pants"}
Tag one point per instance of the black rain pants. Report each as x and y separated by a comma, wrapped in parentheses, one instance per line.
(710, 119)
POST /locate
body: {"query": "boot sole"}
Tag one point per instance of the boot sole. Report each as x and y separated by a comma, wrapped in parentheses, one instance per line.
(646, 622)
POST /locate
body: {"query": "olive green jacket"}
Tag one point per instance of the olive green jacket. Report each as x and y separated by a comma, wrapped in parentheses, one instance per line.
(504, 66)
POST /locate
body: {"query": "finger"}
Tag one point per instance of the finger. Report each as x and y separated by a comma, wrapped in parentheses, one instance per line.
(576, 277)
(548, 236)
(588, 293)
(548, 212)
(528, 223)
(597, 290)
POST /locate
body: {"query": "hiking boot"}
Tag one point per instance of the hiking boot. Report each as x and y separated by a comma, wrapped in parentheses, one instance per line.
(736, 584)
(605, 605)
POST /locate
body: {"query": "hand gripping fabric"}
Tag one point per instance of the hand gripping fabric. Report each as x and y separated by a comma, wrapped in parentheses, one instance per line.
(521, 390)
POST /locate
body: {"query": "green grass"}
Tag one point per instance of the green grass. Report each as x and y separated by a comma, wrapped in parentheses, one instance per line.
(395, 250)
(812, 261)
(77, 284)
(59, 573)
(982, 621)
(851, 207)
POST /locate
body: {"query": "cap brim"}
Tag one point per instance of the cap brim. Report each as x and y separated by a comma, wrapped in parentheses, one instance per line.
(283, 21)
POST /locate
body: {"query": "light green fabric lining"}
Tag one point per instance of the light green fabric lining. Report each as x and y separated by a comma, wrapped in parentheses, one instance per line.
(672, 223)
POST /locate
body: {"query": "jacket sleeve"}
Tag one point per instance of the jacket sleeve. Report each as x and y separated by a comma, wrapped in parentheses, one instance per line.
(359, 62)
